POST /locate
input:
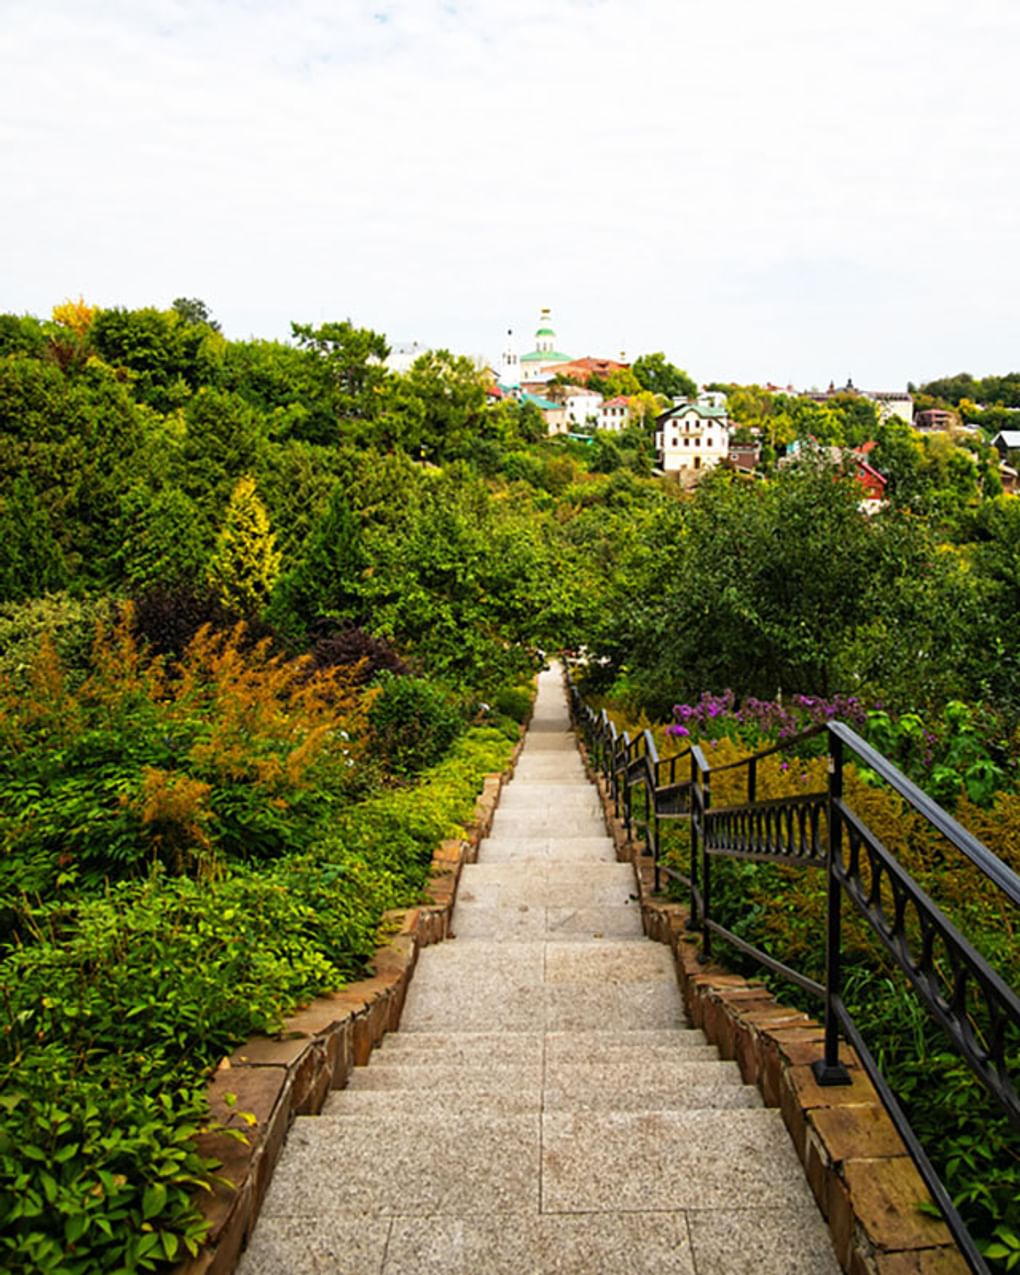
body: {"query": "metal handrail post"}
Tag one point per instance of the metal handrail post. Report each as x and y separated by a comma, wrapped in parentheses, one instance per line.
(828, 1069)
(693, 921)
(706, 873)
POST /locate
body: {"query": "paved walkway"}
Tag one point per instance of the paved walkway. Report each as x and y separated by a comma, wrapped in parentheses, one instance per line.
(544, 1107)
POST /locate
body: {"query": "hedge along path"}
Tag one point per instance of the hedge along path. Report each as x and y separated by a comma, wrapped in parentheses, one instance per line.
(545, 1105)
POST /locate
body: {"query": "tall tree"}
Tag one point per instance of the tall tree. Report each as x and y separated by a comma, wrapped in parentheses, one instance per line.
(31, 562)
(658, 375)
(246, 564)
(325, 583)
(192, 310)
(350, 365)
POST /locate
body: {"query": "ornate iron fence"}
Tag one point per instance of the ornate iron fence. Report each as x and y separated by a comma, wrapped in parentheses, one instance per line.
(960, 991)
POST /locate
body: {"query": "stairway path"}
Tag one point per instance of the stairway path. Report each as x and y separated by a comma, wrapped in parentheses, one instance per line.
(545, 1107)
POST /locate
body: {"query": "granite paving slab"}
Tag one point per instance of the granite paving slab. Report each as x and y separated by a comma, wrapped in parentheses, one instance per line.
(668, 1160)
(393, 1165)
(635, 1244)
(773, 1241)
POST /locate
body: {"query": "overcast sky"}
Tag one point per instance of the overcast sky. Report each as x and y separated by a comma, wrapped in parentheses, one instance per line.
(787, 191)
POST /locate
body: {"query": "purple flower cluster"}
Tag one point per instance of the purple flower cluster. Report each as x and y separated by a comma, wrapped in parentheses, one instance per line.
(755, 719)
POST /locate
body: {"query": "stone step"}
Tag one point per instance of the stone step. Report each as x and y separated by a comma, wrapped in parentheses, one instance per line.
(421, 1077)
(463, 1047)
(509, 885)
(572, 874)
(690, 1066)
(589, 1160)
(511, 848)
(555, 924)
(546, 824)
(547, 767)
(454, 1102)
(527, 797)
(474, 1047)
(696, 1095)
(777, 1240)
(450, 1103)
(542, 1008)
(392, 1165)
(597, 963)
(703, 1159)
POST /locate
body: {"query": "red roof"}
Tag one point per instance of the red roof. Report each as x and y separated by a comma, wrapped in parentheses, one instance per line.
(621, 400)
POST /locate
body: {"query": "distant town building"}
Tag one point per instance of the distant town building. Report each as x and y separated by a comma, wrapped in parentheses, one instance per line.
(746, 456)
(692, 437)
(582, 405)
(890, 402)
(893, 403)
(582, 370)
(615, 413)
(936, 420)
(1006, 441)
(403, 354)
(510, 364)
(541, 364)
(554, 414)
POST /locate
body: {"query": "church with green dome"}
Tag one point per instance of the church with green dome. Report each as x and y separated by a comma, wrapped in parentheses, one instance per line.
(538, 364)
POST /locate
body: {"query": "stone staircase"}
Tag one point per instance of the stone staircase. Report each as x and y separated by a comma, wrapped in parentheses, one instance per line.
(544, 1106)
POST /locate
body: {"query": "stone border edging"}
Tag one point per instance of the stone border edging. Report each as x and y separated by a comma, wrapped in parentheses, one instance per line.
(275, 1078)
(866, 1185)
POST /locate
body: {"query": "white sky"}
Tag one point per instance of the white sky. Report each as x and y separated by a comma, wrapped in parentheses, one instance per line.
(795, 190)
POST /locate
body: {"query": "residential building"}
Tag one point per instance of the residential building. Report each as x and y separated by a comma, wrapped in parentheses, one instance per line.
(744, 456)
(615, 414)
(582, 405)
(936, 420)
(554, 414)
(1006, 441)
(691, 438)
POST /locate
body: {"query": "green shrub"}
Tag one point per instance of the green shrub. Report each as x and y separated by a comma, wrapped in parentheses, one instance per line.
(114, 1009)
(415, 722)
(513, 702)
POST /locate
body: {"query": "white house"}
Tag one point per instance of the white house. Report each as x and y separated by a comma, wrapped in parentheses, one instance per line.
(615, 413)
(403, 354)
(692, 437)
(582, 405)
(893, 403)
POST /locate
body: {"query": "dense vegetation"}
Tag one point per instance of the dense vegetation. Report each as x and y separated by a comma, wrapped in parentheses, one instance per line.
(269, 611)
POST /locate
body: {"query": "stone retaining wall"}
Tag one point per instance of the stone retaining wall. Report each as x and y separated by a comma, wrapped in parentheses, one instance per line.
(275, 1078)
(865, 1183)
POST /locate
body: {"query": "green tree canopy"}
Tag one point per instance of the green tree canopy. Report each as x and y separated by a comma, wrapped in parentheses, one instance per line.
(657, 374)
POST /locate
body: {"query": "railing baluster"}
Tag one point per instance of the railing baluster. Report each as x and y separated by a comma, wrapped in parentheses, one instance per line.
(829, 1070)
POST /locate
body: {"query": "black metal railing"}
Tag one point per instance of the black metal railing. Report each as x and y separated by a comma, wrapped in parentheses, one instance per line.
(960, 991)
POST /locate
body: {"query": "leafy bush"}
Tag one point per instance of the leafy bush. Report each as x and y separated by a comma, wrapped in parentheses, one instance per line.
(513, 702)
(354, 647)
(415, 722)
(68, 623)
(239, 753)
(115, 1008)
(167, 620)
